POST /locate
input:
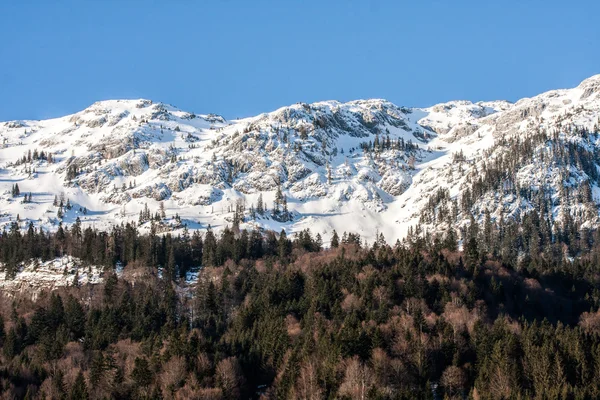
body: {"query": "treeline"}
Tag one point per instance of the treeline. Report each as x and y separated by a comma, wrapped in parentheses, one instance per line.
(176, 255)
(275, 317)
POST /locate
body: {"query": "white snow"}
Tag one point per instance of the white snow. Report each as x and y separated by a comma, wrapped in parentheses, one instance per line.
(135, 152)
(36, 275)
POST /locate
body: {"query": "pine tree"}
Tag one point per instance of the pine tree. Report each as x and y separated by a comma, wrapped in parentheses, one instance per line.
(335, 240)
(171, 265)
(2, 333)
(141, 374)
(278, 201)
(11, 344)
(79, 390)
(260, 207)
(74, 317)
(285, 212)
(450, 241)
(284, 245)
(163, 213)
(97, 369)
(146, 214)
(209, 248)
(58, 384)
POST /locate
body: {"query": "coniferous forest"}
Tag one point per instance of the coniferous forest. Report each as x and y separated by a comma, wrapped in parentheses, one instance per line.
(509, 313)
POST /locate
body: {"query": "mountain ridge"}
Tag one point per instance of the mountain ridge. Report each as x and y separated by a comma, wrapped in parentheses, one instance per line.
(366, 166)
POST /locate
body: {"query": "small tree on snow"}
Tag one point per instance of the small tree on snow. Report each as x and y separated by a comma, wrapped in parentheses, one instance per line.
(260, 207)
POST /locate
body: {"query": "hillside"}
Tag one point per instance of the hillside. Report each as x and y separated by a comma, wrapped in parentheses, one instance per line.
(365, 166)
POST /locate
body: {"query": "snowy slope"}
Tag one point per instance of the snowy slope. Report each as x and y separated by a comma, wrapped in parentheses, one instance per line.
(112, 159)
(37, 275)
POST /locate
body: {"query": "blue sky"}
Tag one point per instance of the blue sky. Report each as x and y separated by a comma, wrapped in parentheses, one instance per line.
(240, 58)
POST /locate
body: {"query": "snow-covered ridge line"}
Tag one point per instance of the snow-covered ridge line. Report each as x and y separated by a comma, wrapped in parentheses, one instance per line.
(364, 166)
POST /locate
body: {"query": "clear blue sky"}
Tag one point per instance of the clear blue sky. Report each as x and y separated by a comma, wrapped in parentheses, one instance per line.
(239, 58)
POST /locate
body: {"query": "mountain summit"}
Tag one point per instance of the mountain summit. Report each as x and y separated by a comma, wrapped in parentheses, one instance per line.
(366, 166)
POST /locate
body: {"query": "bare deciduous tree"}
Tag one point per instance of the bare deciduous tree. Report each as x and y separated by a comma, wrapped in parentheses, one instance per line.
(307, 385)
(229, 377)
(358, 379)
(173, 374)
(453, 380)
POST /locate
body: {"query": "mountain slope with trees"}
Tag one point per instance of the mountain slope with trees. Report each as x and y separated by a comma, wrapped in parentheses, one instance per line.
(273, 317)
(365, 166)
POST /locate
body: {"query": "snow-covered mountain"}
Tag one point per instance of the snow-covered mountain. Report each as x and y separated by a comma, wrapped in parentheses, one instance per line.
(365, 166)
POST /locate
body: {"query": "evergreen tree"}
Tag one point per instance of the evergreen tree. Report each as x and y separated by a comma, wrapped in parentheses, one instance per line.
(335, 240)
(2, 332)
(12, 345)
(259, 206)
(79, 389)
(163, 213)
(74, 317)
(141, 374)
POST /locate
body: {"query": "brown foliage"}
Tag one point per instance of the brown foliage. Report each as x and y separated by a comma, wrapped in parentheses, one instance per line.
(351, 302)
(590, 322)
(454, 380)
(459, 317)
(173, 374)
(292, 326)
(358, 379)
(229, 376)
(307, 384)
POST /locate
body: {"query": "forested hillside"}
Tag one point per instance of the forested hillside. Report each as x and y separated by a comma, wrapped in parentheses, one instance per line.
(514, 315)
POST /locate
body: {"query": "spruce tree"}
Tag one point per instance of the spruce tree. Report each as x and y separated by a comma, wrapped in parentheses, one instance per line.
(163, 213)
(11, 345)
(335, 240)
(2, 333)
(141, 374)
(79, 390)
(260, 207)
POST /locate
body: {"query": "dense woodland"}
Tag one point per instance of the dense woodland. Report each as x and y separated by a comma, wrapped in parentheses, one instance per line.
(514, 314)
